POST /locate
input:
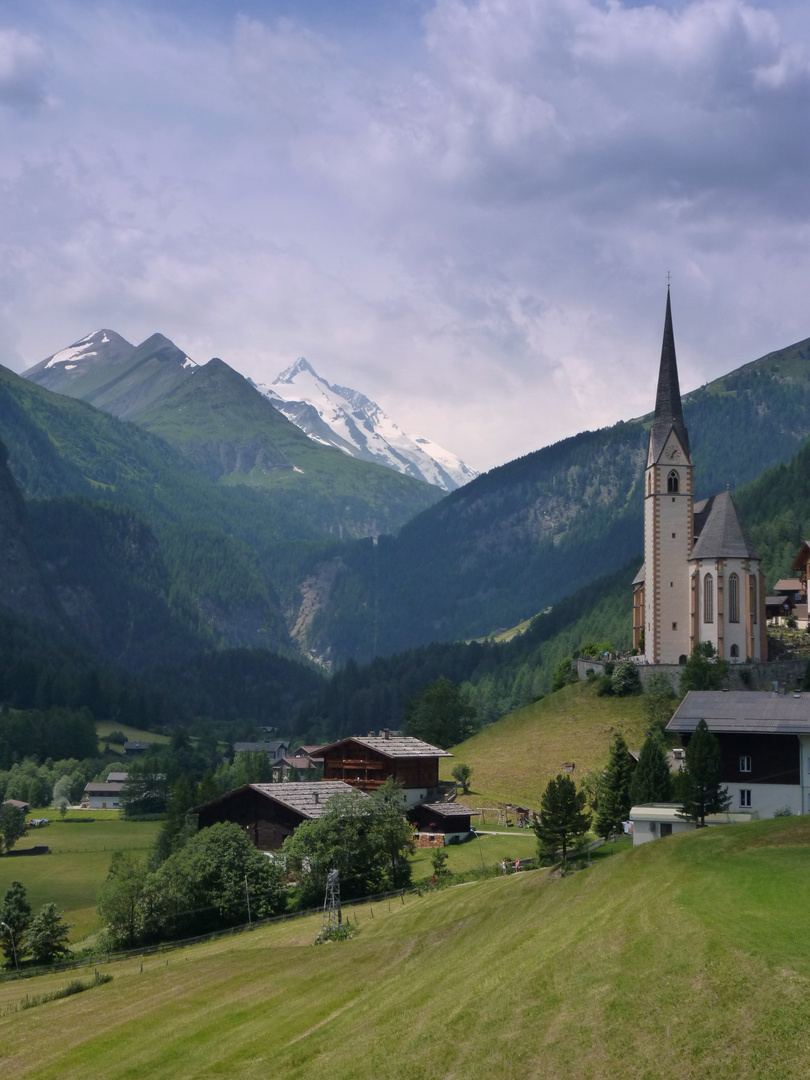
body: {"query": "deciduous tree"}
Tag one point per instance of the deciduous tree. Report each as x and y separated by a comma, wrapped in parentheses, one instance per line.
(12, 826)
(462, 774)
(703, 671)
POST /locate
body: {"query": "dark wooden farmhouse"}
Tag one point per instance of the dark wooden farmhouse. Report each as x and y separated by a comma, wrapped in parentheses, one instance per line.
(448, 820)
(367, 761)
(269, 813)
(764, 745)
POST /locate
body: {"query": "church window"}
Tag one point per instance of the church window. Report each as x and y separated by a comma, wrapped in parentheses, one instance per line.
(752, 591)
(674, 626)
(735, 650)
(672, 481)
(708, 598)
(733, 598)
(673, 536)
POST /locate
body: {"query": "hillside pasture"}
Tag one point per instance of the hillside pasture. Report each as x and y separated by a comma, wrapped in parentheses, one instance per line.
(514, 759)
(74, 871)
(680, 959)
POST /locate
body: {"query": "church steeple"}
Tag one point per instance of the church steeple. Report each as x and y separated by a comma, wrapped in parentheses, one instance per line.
(668, 411)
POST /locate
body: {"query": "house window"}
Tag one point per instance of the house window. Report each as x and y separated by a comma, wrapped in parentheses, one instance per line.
(673, 536)
(745, 763)
(674, 626)
(733, 598)
(672, 481)
(745, 796)
(666, 828)
(708, 598)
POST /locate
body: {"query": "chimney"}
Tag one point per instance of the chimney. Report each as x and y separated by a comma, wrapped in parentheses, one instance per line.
(386, 734)
(317, 796)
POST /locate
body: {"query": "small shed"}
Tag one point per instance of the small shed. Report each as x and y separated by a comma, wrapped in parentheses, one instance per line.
(450, 820)
(650, 821)
(135, 749)
(18, 803)
(269, 813)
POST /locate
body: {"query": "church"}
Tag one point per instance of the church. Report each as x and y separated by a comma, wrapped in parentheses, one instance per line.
(701, 579)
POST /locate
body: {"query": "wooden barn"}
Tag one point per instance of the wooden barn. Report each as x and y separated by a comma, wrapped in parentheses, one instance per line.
(269, 813)
(367, 761)
(441, 820)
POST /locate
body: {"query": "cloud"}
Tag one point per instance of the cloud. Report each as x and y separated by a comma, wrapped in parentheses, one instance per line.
(22, 70)
(470, 222)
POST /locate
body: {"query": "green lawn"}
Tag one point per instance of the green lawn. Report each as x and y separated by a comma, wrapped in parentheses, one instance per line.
(487, 851)
(104, 727)
(80, 858)
(514, 759)
(684, 959)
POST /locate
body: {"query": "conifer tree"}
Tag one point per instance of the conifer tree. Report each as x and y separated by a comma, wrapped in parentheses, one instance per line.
(702, 793)
(563, 816)
(15, 914)
(652, 779)
(614, 791)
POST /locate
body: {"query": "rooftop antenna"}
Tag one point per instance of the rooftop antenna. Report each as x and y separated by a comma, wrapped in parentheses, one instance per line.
(332, 914)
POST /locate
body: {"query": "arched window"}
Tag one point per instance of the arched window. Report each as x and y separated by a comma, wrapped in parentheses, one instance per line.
(708, 598)
(735, 650)
(752, 597)
(672, 482)
(733, 598)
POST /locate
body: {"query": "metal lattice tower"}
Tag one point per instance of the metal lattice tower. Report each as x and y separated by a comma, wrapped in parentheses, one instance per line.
(332, 914)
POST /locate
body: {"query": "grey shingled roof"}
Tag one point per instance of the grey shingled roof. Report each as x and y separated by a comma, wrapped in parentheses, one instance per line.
(251, 747)
(668, 410)
(397, 746)
(448, 809)
(639, 578)
(101, 787)
(743, 711)
(720, 533)
(308, 799)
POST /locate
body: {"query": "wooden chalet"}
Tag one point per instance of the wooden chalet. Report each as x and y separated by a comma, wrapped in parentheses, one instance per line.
(269, 813)
(448, 821)
(367, 761)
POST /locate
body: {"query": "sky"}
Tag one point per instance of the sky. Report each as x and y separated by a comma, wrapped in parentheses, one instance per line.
(465, 209)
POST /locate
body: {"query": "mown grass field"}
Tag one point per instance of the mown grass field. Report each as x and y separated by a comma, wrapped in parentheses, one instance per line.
(684, 959)
(514, 759)
(104, 727)
(80, 858)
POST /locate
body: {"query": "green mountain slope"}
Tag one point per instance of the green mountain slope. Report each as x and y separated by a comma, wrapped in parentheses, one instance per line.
(519, 538)
(680, 959)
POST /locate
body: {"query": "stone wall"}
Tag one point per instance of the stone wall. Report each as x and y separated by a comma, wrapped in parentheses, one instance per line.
(741, 676)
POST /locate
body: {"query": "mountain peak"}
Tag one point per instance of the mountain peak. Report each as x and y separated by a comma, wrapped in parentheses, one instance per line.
(300, 367)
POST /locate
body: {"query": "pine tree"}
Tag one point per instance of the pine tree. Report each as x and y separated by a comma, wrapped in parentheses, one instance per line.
(614, 791)
(47, 935)
(652, 779)
(701, 777)
(562, 816)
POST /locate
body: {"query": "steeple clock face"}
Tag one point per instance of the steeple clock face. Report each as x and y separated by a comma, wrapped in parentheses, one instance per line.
(673, 454)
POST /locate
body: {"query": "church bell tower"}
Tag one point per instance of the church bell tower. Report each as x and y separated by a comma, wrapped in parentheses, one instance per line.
(668, 520)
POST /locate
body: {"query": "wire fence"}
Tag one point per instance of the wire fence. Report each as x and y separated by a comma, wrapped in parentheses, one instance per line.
(214, 935)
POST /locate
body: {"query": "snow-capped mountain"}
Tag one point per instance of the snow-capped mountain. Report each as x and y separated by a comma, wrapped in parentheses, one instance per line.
(341, 417)
(96, 351)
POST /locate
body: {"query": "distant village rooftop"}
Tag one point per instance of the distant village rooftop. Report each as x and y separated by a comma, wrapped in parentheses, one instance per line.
(308, 799)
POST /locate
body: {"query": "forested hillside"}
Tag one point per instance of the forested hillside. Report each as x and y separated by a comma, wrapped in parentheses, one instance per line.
(521, 537)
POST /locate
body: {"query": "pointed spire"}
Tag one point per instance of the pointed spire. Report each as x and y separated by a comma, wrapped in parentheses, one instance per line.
(668, 411)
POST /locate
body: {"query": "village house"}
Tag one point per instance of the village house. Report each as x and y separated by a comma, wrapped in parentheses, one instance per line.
(275, 749)
(764, 745)
(366, 762)
(440, 822)
(269, 813)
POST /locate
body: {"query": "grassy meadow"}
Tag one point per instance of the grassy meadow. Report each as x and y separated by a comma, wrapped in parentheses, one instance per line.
(682, 959)
(514, 759)
(80, 858)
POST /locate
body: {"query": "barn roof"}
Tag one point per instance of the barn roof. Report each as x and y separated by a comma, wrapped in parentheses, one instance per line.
(307, 798)
(394, 746)
(743, 711)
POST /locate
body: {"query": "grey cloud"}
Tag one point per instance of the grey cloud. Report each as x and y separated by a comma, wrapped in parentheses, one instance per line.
(22, 70)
